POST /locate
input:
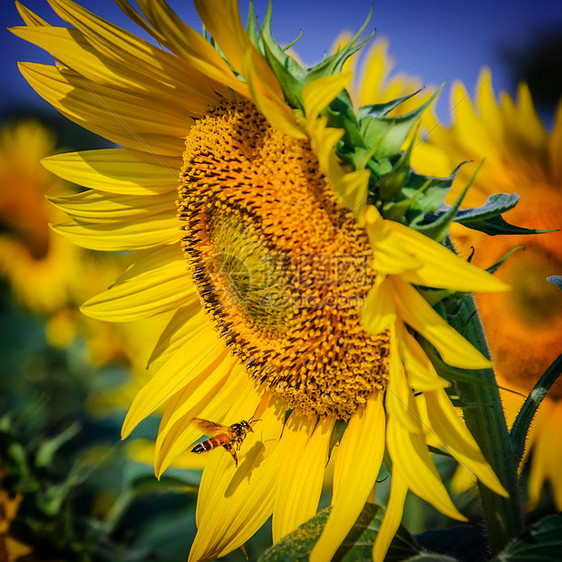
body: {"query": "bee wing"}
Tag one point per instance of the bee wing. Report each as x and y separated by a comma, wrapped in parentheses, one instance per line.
(211, 428)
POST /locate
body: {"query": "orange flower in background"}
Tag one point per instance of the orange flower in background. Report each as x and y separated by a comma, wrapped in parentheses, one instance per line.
(523, 326)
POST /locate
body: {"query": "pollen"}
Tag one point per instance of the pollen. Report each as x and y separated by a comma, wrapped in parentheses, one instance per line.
(281, 267)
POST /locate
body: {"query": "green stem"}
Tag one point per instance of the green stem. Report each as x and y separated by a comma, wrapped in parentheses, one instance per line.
(483, 413)
(522, 422)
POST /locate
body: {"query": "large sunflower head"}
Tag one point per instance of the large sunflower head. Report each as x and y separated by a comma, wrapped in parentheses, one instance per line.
(287, 253)
(524, 325)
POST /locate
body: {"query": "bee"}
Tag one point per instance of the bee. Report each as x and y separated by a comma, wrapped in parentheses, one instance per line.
(227, 436)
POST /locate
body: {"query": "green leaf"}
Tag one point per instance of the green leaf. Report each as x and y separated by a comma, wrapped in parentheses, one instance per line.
(497, 225)
(555, 280)
(542, 543)
(522, 423)
(358, 545)
(487, 218)
(495, 205)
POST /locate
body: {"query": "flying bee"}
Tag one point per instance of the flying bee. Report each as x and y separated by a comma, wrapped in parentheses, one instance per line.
(228, 436)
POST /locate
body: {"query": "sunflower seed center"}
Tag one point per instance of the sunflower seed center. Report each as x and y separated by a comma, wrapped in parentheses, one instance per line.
(281, 267)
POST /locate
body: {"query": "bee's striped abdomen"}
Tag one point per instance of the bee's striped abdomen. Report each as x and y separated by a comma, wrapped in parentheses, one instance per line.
(210, 444)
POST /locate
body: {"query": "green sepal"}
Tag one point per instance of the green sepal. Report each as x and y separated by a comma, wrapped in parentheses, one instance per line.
(541, 543)
(555, 280)
(382, 109)
(391, 183)
(341, 116)
(333, 64)
(289, 72)
(435, 296)
(522, 423)
(251, 24)
(496, 266)
(386, 135)
(439, 452)
(358, 544)
(438, 229)
(422, 197)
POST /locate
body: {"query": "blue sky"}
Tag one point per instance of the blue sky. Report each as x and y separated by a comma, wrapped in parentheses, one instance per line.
(437, 40)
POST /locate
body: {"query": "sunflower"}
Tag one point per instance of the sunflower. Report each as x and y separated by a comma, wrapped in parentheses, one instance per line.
(523, 326)
(293, 299)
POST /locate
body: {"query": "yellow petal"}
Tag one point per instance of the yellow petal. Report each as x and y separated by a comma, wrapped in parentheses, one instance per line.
(125, 48)
(323, 140)
(114, 114)
(456, 438)
(152, 231)
(352, 190)
(379, 311)
(420, 372)
(410, 459)
(29, 17)
(439, 266)
(99, 208)
(472, 133)
(156, 283)
(177, 332)
(209, 396)
(392, 517)
(357, 466)
(319, 93)
(222, 19)
(234, 503)
(390, 256)
(302, 454)
(189, 45)
(486, 102)
(71, 48)
(416, 312)
(267, 96)
(202, 351)
(117, 170)
(398, 394)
